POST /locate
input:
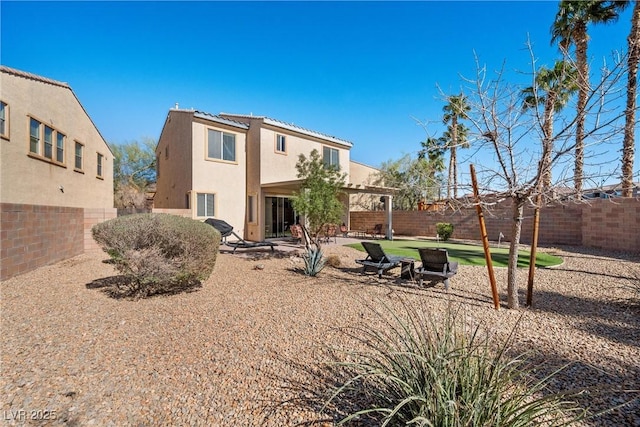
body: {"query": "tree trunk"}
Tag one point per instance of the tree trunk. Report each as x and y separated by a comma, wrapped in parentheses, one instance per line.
(454, 140)
(583, 91)
(547, 143)
(630, 112)
(512, 269)
(451, 168)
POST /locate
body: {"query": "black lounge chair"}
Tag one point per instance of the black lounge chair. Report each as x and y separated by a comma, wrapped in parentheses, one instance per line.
(377, 259)
(436, 266)
(226, 230)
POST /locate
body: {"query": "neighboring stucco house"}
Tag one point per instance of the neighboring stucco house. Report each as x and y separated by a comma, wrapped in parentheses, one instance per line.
(56, 173)
(241, 168)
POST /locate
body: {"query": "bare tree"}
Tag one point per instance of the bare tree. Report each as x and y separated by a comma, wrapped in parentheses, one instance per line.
(514, 137)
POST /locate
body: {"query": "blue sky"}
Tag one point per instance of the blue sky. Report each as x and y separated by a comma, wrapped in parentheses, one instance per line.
(361, 71)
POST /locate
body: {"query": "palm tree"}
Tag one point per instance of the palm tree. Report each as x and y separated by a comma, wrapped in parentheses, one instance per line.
(433, 151)
(457, 109)
(570, 28)
(552, 89)
(630, 112)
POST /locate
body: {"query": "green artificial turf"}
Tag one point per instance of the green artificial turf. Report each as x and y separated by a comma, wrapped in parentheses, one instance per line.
(465, 254)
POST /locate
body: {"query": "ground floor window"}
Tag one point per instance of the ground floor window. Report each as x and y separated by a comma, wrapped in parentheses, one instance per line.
(251, 209)
(205, 204)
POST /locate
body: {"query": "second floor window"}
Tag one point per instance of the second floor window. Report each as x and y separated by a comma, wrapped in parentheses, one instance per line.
(4, 119)
(330, 157)
(78, 156)
(281, 146)
(45, 141)
(59, 147)
(34, 136)
(48, 142)
(99, 170)
(221, 145)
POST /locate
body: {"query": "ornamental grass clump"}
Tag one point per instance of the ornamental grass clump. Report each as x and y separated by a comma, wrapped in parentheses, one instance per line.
(423, 371)
(159, 253)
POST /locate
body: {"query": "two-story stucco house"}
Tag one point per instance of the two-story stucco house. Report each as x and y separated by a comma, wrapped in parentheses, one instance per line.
(56, 173)
(241, 168)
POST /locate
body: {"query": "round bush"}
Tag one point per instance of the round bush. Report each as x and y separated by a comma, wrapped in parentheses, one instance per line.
(445, 230)
(159, 252)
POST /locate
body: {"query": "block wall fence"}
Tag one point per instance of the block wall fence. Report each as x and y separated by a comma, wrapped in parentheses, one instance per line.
(34, 235)
(600, 223)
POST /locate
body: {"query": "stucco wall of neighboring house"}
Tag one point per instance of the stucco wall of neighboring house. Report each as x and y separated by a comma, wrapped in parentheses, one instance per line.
(225, 179)
(35, 180)
(174, 162)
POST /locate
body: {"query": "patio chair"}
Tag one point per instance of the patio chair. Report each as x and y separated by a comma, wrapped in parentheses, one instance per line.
(296, 233)
(376, 231)
(226, 230)
(378, 260)
(331, 233)
(436, 266)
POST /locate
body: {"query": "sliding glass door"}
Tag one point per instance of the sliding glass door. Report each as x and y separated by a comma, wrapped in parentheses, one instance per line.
(279, 215)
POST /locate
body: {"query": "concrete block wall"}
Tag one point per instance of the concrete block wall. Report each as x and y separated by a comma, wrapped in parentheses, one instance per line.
(32, 236)
(93, 216)
(612, 225)
(599, 223)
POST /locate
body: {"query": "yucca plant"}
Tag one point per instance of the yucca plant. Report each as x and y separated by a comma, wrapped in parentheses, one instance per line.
(424, 371)
(314, 261)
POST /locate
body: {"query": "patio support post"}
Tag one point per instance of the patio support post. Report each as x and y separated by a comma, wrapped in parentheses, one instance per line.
(387, 206)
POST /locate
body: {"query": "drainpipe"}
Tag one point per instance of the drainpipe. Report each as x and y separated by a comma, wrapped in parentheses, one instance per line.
(387, 206)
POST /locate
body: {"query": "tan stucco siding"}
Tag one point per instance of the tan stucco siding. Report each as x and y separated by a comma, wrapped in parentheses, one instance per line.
(362, 175)
(32, 179)
(174, 157)
(281, 167)
(225, 179)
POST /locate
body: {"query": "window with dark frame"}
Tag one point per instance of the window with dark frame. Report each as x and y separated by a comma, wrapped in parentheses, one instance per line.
(281, 146)
(99, 162)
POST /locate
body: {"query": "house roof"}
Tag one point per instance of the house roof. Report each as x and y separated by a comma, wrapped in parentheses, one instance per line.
(219, 119)
(31, 76)
(292, 127)
(46, 80)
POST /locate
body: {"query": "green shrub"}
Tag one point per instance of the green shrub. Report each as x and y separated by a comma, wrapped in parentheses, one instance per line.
(427, 371)
(445, 230)
(158, 252)
(314, 262)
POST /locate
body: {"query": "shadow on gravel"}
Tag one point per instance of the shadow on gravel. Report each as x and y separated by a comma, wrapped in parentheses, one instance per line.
(259, 254)
(121, 287)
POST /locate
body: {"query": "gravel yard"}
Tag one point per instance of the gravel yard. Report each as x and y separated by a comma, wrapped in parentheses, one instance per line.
(226, 353)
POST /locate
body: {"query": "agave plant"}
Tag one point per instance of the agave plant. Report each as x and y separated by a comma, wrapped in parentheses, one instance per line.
(314, 261)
